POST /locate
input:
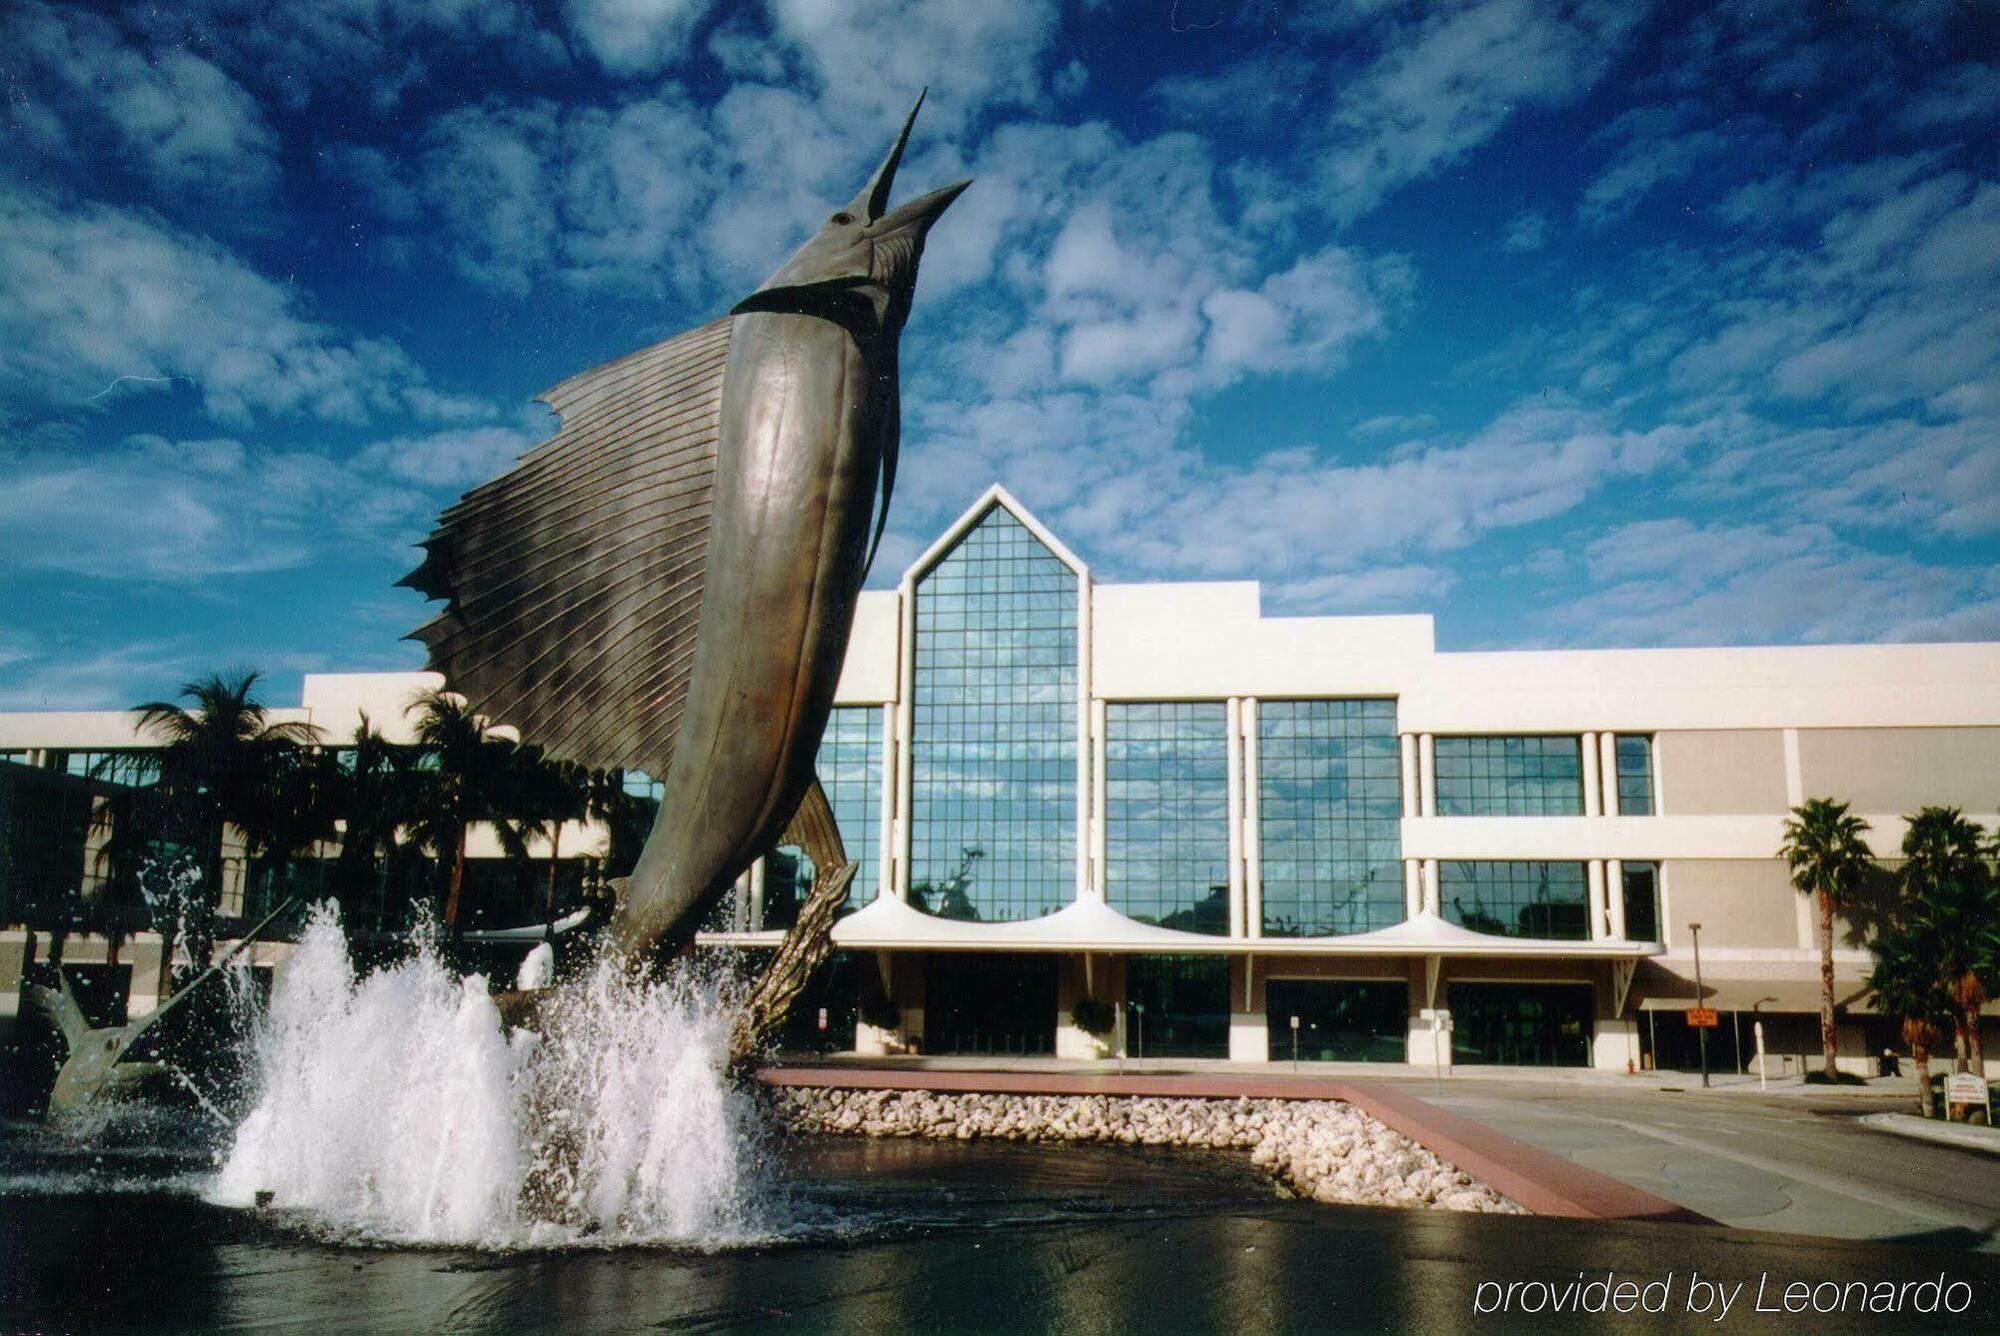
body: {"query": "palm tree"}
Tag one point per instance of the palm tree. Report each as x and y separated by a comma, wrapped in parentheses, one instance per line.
(221, 755)
(1828, 855)
(377, 786)
(1950, 889)
(474, 773)
(1908, 987)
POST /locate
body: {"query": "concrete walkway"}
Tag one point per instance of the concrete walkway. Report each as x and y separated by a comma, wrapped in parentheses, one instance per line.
(1794, 1164)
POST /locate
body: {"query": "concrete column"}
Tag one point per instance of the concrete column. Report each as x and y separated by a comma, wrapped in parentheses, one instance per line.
(757, 896)
(1427, 782)
(885, 853)
(1087, 770)
(1596, 876)
(1615, 1042)
(1593, 782)
(1411, 795)
(1431, 886)
(1413, 887)
(1249, 1039)
(1233, 731)
(906, 678)
(1607, 748)
(1098, 843)
(1614, 893)
(1253, 865)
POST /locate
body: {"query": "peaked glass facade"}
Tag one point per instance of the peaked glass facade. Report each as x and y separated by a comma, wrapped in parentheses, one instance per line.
(993, 742)
(1330, 806)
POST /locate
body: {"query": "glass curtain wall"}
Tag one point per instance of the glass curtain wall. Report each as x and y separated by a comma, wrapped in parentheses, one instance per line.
(1166, 813)
(993, 742)
(1517, 899)
(1330, 806)
(849, 765)
(1510, 776)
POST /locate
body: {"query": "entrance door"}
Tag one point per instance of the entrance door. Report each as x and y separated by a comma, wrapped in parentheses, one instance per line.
(1521, 1024)
(1185, 1001)
(1339, 1020)
(977, 1003)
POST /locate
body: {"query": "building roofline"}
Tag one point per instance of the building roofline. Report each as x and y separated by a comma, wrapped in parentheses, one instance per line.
(994, 495)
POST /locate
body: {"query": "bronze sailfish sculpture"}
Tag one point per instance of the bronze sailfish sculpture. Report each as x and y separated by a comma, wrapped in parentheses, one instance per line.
(668, 584)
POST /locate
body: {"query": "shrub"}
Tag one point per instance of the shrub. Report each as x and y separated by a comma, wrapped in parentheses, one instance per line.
(1838, 1078)
(1094, 1017)
(881, 1013)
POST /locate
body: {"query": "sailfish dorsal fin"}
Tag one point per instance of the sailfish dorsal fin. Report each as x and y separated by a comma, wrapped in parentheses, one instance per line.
(575, 580)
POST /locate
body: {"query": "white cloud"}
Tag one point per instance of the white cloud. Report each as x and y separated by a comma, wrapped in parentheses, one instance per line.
(1525, 232)
(634, 36)
(1442, 86)
(1681, 582)
(869, 57)
(96, 295)
(187, 511)
(177, 120)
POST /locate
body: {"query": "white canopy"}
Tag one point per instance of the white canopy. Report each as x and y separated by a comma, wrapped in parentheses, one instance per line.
(1089, 924)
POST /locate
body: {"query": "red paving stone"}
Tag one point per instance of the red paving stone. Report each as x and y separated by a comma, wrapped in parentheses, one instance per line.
(1544, 1183)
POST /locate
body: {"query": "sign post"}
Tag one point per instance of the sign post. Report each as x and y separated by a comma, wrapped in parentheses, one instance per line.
(1440, 1019)
(1968, 1088)
(1295, 1043)
(1763, 1079)
(1702, 1026)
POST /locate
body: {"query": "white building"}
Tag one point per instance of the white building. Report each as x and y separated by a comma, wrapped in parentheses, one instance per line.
(1153, 795)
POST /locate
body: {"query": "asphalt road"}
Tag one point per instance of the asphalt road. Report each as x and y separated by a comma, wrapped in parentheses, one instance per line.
(1793, 1163)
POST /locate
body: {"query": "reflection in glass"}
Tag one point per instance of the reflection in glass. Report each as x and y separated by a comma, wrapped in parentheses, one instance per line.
(1166, 813)
(1635, 774)
(1330, 806)
(993, 742)
(1641, 890)
(1510, 776)
(1517, 899)
(849, 765)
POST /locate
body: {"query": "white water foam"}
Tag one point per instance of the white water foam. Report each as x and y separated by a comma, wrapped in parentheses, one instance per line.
(397, 1107)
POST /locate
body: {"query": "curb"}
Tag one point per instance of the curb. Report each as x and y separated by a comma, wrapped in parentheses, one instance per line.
(1959, 1136)
(1544, 1183)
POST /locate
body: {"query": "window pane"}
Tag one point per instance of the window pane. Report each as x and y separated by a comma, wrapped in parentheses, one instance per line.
(1329, 793)
(1166, 802)
(1510, 776)
(1642, 901)
(1635, 775)
(1517, 899)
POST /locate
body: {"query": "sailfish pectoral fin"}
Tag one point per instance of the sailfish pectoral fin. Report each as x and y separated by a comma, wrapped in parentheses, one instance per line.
(892, 439)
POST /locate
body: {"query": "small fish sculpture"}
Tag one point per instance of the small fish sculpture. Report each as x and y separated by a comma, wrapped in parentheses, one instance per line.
(668, 584)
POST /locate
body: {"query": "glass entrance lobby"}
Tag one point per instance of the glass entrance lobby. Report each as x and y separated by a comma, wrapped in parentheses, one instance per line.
(1178, 1006)
(990, 1003)
(1521, 1024)
(1340, 1020)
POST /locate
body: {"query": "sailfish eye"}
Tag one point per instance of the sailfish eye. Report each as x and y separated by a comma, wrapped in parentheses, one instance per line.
(843, 218)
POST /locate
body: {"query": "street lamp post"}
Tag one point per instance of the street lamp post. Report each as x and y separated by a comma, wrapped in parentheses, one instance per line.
(1701, 1031)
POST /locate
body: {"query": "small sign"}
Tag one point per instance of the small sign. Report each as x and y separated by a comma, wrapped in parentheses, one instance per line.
(1703, 1018)
(822, 1018)
(1295, 1022)
(1968, 1088)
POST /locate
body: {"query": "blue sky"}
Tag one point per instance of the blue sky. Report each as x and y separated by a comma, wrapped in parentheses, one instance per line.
(1575, 324)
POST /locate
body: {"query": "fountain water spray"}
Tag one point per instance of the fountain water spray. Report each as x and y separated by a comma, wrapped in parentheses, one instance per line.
(397, 1106)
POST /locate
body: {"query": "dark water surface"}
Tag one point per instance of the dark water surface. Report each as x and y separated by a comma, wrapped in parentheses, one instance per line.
(902, 1236)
